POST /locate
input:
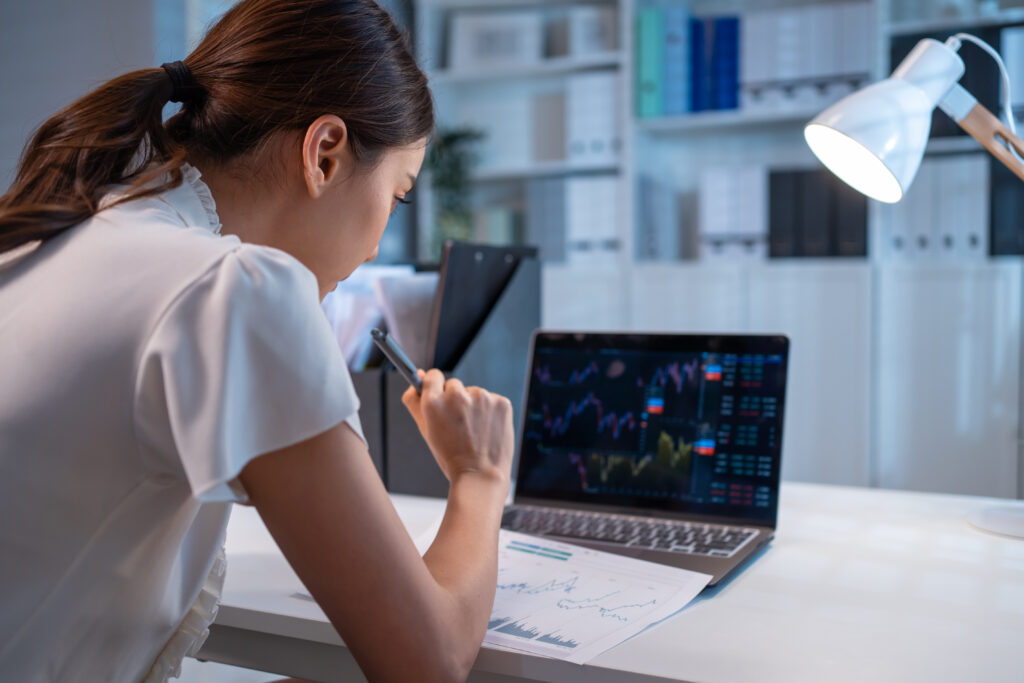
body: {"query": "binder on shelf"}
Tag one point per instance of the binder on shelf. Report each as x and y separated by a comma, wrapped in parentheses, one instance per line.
(659, 234)
(549, 126)
(649, 76)
(951, 198)
(897, 241)
(850, 220)
(783, 200)
(725, 80)
(495, 359)
(1012, 44)
(923, 195)
(1006, 192)
(815, 219)
(813, 214)
(972, 226)
(752, 203)
(545, 217)
(593, 127)
(592, 211)
(677, 58)
(700, 58)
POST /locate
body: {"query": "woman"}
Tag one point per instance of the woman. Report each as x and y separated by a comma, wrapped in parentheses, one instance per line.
(163, 355)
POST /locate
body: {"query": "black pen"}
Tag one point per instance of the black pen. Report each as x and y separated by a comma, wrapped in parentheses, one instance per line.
(398, 357)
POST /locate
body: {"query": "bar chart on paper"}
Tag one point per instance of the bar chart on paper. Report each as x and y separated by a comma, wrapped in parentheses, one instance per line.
(574, 603)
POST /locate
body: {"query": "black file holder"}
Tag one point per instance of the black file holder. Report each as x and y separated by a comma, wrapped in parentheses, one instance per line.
(495, 360)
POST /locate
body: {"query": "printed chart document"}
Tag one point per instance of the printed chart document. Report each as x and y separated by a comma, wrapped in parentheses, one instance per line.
(569, 602)
(573, 603)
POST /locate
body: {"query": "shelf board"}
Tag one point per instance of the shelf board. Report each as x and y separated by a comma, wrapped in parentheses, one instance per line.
(553, 66)
(500, 4)
(953, 143)
(540, 169)
(735, 118)
(953, 24)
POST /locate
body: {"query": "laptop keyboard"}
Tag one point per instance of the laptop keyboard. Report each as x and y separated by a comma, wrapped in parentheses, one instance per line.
(640, 532)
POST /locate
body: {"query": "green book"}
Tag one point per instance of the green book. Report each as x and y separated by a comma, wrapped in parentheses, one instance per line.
(650, 77)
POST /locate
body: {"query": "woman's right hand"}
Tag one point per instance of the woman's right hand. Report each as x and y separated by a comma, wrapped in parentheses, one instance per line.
(468, 429)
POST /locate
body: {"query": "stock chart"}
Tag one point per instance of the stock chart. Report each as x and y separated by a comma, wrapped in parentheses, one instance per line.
(699, 427)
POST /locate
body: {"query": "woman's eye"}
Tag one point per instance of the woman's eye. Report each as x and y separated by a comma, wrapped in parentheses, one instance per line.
(399, 200)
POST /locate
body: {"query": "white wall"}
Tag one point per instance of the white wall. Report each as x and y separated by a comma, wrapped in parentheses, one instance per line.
(53, 51)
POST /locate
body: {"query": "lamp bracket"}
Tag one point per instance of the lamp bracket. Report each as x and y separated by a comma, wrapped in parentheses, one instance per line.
(957, 103)
(993, 134)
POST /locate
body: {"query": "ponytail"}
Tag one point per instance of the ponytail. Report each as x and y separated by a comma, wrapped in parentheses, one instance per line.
(104, 138)
(267, 66)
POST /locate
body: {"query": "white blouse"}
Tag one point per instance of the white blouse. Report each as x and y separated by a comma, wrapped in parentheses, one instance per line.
(144, 361)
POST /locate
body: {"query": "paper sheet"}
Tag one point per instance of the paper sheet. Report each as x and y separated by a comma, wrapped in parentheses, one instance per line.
(573, 603)
(353, 310)
(407, 303)
(569, 602)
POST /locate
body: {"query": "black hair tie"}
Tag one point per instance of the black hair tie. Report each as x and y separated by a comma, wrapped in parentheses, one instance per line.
(184, 88)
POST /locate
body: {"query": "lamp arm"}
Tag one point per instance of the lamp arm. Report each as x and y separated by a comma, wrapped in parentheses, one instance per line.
(985, 127)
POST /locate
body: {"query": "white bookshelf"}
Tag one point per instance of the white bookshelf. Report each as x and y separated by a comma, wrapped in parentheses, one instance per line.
(850, 321)
(541, 169)
(728, 120)
(966, 21)
(549, 67)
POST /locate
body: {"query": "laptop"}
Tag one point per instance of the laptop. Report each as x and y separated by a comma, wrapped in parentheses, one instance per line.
(664, 447)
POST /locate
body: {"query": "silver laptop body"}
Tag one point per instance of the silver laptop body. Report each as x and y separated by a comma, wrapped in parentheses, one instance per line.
(664, 447)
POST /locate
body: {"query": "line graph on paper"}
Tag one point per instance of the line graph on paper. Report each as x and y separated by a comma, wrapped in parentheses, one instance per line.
(573, 603)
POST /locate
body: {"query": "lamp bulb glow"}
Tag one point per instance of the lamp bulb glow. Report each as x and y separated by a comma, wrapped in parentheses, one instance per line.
(853, 163)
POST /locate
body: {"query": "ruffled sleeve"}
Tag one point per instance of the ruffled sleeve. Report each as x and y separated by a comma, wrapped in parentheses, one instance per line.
(241, 363)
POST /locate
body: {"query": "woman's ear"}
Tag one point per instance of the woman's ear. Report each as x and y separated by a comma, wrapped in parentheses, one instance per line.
(326, 153)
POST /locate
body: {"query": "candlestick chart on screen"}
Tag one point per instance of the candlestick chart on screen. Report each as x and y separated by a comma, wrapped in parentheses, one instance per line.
(696, 426)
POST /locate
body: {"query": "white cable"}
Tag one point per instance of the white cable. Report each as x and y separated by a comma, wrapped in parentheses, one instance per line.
(954, 42)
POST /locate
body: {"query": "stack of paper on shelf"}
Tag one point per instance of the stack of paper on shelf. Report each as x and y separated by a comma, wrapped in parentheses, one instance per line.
(732, 213)
(593, 222)
(488, 39)
(593, 29)
(593, 122)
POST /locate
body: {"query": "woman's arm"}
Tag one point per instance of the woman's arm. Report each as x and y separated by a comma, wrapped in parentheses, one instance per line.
(404, 618)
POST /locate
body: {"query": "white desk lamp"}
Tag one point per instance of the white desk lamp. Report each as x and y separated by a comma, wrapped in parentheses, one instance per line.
(874, 139)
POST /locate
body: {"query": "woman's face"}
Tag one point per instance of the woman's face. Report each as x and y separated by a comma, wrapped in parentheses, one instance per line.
(348, 220)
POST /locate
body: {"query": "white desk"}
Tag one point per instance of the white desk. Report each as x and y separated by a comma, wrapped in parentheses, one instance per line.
(858, 585)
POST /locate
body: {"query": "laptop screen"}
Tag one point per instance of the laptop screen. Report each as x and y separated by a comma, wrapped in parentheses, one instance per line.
(683, 423)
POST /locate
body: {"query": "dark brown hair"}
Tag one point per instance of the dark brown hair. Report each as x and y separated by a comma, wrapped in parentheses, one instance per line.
(266, 67)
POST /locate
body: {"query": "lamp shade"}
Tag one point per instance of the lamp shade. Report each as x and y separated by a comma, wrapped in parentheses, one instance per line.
(874, 138)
